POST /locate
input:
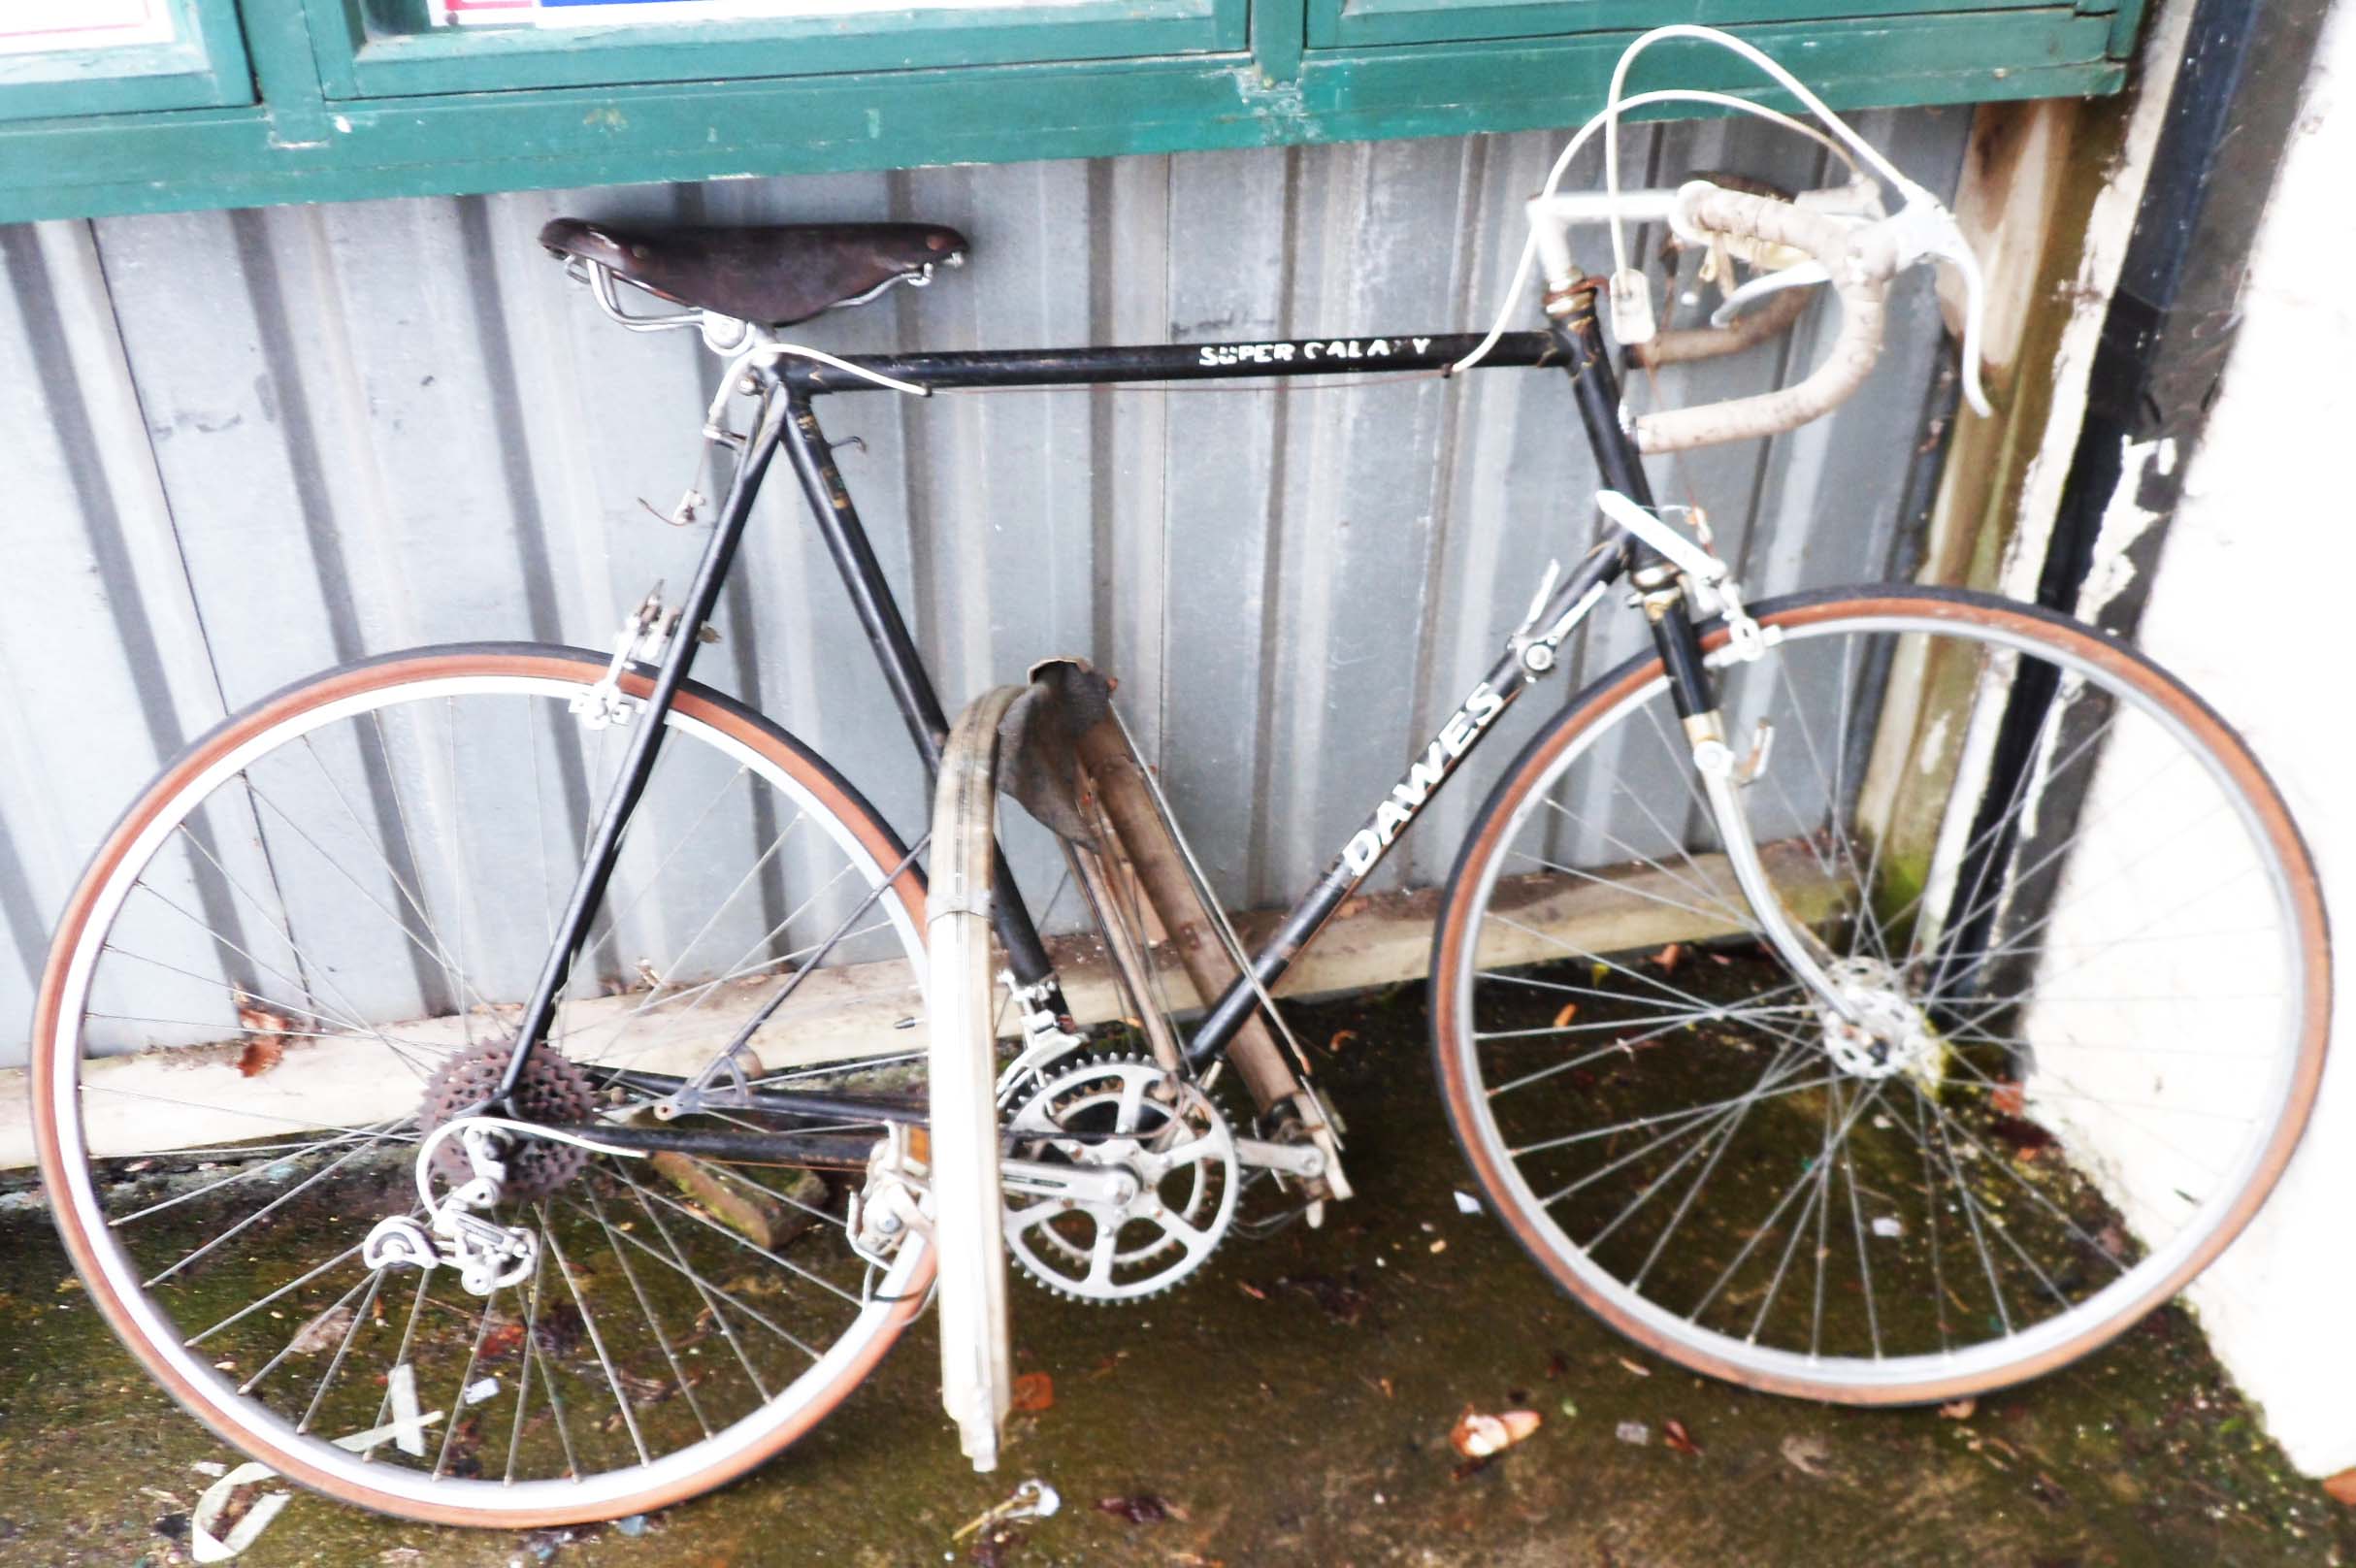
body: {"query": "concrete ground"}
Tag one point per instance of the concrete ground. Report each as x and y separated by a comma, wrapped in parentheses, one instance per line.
(1289, 1405)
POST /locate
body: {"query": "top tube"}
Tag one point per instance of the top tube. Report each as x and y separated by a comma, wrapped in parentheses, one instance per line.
(1352, 356)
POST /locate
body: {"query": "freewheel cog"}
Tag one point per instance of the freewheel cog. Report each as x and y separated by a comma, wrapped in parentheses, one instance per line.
(553, 1089)
(1119, 1114)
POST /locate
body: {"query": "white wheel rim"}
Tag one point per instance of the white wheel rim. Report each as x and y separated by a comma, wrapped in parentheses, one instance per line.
(1988, 1359)
(265, 1426)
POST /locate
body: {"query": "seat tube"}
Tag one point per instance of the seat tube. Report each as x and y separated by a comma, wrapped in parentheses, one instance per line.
(896, 653)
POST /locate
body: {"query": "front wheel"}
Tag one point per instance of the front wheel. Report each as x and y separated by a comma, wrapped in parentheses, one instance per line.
(2075, 912)
(310, 941)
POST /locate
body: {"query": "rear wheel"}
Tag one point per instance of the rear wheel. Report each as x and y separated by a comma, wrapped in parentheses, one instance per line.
(2099, 989)
(311, 940)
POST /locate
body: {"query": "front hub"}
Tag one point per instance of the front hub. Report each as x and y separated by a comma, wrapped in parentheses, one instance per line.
(1886, 1033)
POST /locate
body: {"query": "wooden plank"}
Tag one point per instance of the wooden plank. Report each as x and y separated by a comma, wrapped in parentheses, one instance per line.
(154, 1101)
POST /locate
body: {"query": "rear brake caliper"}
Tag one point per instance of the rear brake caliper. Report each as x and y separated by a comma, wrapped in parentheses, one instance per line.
(894, 1201)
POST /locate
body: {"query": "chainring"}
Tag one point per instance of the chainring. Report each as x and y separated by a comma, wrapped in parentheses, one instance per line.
(553, 1089)
(1169, 1134)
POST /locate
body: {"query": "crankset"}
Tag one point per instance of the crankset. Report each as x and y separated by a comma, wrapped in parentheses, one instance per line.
(1121, 1179)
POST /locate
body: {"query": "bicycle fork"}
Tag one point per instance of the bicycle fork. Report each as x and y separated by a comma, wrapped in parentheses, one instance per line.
(1667, 571)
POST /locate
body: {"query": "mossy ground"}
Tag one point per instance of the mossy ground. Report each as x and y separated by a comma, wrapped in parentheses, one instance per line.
(1293, 1405)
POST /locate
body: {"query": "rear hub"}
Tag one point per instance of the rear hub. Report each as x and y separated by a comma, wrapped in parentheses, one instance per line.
(553, 1090)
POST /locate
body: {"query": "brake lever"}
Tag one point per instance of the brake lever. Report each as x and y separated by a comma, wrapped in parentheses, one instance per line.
(1806, 275)
(1924, 230)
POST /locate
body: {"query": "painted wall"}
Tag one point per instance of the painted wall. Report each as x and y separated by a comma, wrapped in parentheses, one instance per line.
(242, 446)
(2247, 588)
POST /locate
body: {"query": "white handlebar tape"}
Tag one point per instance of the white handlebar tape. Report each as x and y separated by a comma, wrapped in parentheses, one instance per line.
(1861, 259)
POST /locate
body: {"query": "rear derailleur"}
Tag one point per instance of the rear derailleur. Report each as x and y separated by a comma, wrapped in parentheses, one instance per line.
(488, 1257)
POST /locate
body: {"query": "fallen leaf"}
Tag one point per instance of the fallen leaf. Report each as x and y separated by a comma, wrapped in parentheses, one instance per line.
(2009, 1099)
(2028, 1140)
(1806, 1454)
(1673, 1433)
(1668, 957)
(1251, 1290)
(323, 1332)
(1033, 1393)
(1140, 1508)
(261, 1019)
(2342, 1487)
(269, 1030)
(1570, 1011)
(1341, 1038)
(1638, 1368)
(1478, 1437)
(1959, 1410)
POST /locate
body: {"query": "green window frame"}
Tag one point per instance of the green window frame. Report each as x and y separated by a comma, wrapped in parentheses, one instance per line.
(203, 67)
(333, 100)
(370, 49)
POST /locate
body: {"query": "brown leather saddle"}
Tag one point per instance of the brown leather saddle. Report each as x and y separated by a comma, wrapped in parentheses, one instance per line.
(771, 275)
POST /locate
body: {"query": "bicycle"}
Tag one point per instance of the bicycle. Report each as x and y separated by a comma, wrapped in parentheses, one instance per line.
(529, 1193)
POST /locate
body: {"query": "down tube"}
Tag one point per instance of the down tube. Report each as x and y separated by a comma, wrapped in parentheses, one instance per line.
(1390, 818)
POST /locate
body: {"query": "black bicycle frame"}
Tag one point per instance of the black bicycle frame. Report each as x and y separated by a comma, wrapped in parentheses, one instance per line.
(786, 418)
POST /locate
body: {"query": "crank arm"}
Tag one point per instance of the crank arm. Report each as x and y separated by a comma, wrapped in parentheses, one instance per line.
(1036, 1178)
(1301, 1159)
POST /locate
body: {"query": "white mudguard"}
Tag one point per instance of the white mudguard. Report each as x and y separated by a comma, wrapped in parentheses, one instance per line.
(968, 1220)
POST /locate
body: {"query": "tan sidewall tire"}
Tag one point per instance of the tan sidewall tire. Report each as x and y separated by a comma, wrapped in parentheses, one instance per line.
(1458, 922)
(545, 664)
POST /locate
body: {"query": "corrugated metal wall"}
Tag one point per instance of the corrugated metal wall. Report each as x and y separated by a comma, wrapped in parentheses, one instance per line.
(244, 445)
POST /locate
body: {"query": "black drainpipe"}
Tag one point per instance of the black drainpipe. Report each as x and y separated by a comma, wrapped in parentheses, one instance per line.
(2165, 337)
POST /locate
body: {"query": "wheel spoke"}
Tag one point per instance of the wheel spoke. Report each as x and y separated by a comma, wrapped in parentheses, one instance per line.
(1694, 1143)
(393, 931)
